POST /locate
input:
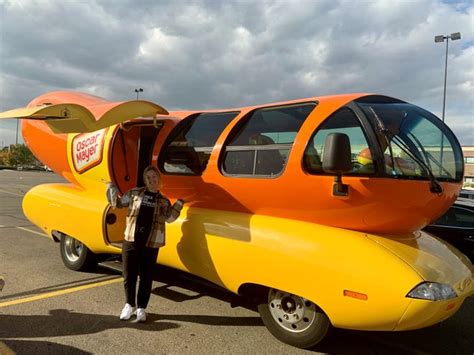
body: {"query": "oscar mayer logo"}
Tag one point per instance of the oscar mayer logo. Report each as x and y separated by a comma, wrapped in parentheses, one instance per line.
(87, 150)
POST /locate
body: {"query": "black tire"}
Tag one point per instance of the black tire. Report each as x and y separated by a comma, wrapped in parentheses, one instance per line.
(293, 319)
(75, 255)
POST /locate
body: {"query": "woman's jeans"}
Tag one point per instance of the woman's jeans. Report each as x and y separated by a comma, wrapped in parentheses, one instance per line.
(138, 261)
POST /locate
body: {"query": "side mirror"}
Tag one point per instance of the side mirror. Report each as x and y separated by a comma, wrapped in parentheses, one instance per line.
(337, 160)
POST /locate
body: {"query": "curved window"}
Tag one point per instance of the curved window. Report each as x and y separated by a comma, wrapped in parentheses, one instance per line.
(342, 121)
(190, 145)
(260, 147)
(415, 143)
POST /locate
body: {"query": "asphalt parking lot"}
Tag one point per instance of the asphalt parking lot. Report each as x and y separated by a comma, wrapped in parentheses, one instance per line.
(46, 308)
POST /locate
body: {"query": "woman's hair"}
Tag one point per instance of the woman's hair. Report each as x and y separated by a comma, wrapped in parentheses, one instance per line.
(150, 168)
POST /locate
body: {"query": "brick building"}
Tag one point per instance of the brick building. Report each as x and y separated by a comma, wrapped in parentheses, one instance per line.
(468, 152)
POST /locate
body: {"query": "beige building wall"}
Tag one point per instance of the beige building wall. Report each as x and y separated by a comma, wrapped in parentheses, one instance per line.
(468, 152)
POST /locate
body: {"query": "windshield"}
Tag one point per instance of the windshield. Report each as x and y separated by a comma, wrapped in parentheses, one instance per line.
(415, 143)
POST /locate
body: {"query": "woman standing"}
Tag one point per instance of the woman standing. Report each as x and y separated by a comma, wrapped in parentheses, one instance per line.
(148, 210)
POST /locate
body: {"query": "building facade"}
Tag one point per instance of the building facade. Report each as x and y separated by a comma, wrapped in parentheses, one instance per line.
(468, 152)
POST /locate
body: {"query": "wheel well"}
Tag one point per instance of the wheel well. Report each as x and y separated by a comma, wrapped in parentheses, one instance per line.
(252, 292)
(57, 235)
(249, 296)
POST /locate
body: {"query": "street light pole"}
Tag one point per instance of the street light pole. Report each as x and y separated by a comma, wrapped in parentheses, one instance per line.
(438, 39)
(445, 77)
(16, 137)
(138, 90)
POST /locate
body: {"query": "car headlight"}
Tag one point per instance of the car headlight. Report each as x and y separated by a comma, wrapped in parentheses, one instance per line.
(432, 291)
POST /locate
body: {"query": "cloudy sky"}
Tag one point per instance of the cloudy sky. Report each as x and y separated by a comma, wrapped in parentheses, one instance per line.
(217, 54)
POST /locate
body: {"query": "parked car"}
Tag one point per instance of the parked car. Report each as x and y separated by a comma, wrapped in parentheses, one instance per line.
(456, 226)
(467, 194)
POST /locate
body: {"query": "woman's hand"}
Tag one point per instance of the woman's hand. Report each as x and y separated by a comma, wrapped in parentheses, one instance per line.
(112, 193)
(179, 204)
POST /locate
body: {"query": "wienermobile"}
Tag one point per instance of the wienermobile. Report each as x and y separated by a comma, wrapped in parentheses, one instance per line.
(311, 209)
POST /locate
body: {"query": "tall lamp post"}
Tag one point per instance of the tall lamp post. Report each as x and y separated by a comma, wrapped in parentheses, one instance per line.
(16, 137)
(138, 90)
(438, 39)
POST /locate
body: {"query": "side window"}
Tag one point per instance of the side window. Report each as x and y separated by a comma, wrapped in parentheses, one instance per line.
(342, 121)
(189, 149)
(261, 145)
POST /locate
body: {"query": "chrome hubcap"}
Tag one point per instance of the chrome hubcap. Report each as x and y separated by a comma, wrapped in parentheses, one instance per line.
(291, 312)
(73, 249)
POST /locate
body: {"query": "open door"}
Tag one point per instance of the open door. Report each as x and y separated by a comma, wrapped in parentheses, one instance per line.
(131, 152)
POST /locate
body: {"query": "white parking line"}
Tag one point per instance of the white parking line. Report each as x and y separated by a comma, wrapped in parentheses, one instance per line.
(31, 231)
(11, 193)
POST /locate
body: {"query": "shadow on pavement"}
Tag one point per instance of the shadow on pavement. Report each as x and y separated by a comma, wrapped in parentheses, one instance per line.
(208, 320)
(42, 347)
(61, 322)
(198, 287)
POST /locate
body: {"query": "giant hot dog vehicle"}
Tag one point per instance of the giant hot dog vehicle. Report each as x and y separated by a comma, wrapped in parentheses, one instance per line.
(311, 209)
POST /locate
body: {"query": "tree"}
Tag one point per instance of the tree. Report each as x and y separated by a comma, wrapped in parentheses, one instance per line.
(4, 155)
(20, 155)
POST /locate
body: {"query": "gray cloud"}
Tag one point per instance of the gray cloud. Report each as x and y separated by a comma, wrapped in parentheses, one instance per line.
(212, 54)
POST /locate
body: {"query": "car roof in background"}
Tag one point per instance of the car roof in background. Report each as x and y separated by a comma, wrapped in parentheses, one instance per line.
(467, 192)
(464, 202)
